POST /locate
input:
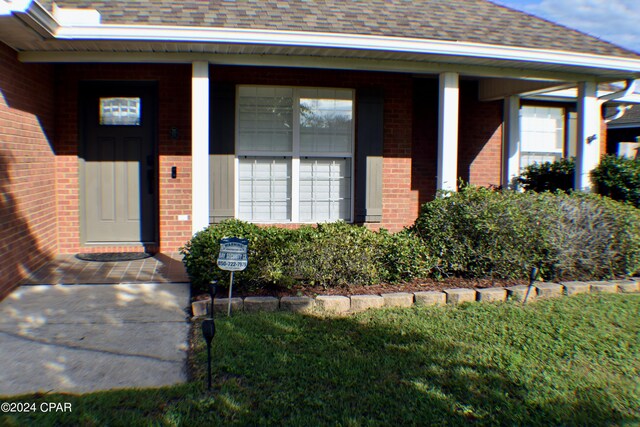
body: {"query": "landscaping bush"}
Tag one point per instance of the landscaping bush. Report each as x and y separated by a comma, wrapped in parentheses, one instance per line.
(266, 251)
(590, 236)
(483, 233)
(618, 178)
(331, 254)
(336, 254)
(549, 176)
(478, 232)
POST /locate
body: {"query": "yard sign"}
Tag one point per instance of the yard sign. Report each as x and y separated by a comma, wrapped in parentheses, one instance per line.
(232, 257)
(233, 254)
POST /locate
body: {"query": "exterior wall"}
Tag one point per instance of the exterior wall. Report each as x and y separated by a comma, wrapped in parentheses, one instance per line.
(410, 139)
(28, 235)
(174, 110)
(479, 138)
(400, 197)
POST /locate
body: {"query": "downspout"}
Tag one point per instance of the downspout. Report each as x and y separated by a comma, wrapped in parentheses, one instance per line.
(630, 86)
(620, 110)
(628, 90)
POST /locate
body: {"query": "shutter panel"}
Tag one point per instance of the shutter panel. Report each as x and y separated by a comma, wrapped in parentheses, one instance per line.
(222, 151)
(369, 144)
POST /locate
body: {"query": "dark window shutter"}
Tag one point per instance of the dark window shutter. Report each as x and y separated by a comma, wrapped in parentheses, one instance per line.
(221, 151)
(369, 145)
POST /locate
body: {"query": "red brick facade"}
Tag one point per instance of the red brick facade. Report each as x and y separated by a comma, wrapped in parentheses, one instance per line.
(28, 235)
(52, 213)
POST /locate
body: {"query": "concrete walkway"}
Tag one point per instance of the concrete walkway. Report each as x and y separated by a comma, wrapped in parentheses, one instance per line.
(81, 338)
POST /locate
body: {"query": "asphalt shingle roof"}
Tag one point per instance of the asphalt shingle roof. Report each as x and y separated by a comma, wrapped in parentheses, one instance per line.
(477, 21)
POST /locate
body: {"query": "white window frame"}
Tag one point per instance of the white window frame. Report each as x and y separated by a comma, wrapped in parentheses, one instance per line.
(295, 154)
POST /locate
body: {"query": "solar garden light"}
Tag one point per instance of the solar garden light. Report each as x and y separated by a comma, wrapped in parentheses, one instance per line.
(532, 278)
(209, 331)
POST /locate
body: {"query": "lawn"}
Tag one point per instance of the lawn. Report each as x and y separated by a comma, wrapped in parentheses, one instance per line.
(570, 361)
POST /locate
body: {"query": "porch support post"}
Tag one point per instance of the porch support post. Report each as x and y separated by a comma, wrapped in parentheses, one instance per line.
(511, 140)
(448, 132)
(588, 130)
(199, 146)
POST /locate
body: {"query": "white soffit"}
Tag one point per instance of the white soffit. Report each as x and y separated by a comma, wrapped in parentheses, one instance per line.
(74, 25)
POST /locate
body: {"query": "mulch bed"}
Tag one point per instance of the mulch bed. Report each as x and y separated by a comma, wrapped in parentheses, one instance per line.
(415, 286)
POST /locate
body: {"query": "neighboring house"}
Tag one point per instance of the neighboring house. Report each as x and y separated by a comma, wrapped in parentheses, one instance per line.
(129, 125)
(623, 132)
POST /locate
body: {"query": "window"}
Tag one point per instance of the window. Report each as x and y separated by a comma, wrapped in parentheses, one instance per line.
(120, 111)
(542, 132)
(295, 152)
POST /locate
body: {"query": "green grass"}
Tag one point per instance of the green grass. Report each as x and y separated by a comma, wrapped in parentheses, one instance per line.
(570, 361)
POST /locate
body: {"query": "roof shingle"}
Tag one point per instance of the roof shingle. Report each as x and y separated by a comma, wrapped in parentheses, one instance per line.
(478, 21)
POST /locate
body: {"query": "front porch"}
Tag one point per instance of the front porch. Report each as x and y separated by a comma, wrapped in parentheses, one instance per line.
(68, 270)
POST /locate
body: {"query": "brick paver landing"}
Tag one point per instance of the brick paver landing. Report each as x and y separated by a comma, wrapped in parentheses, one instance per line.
(67, 269)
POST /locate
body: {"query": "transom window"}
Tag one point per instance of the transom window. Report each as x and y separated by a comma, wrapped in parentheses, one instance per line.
(294, 149)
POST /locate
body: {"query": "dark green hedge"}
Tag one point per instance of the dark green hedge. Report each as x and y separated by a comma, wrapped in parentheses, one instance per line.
(332, 254)
(549, 176)
(618, 178)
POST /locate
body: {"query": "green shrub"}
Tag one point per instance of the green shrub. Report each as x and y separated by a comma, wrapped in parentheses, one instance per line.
(337, 254)
(478, 232)
(331, 254)
(590, 236)
(482, 233)
(549, 176)
(405, 257)
(618, 178)
(267, 247)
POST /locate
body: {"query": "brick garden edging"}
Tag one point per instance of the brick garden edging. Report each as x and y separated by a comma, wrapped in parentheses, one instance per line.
(336, 304)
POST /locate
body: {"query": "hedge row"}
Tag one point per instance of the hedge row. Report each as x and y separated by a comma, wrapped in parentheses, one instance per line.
(478, 232)
(475, 233)
(331, 254)
(614, 177)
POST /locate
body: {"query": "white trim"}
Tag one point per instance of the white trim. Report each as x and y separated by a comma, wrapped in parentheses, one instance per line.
(295, 155)
(343, 41)
(200, 146)
(512, 139)
(588, 127)
(447, 176)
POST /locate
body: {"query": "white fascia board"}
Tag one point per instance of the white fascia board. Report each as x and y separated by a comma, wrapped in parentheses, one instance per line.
(344, 41)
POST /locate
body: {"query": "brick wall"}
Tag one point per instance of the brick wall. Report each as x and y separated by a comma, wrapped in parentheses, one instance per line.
(174, 110)
(27, 187)
(479, 138)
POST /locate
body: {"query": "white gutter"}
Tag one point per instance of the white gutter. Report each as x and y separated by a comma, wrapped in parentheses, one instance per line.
(344, 41)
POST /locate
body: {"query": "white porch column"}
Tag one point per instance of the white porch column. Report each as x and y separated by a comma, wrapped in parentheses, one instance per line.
(448, 132)
(588, 129)
(199, 146)
(511, 140)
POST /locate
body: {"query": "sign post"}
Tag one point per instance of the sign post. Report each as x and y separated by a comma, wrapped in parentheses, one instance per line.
(232, 257)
